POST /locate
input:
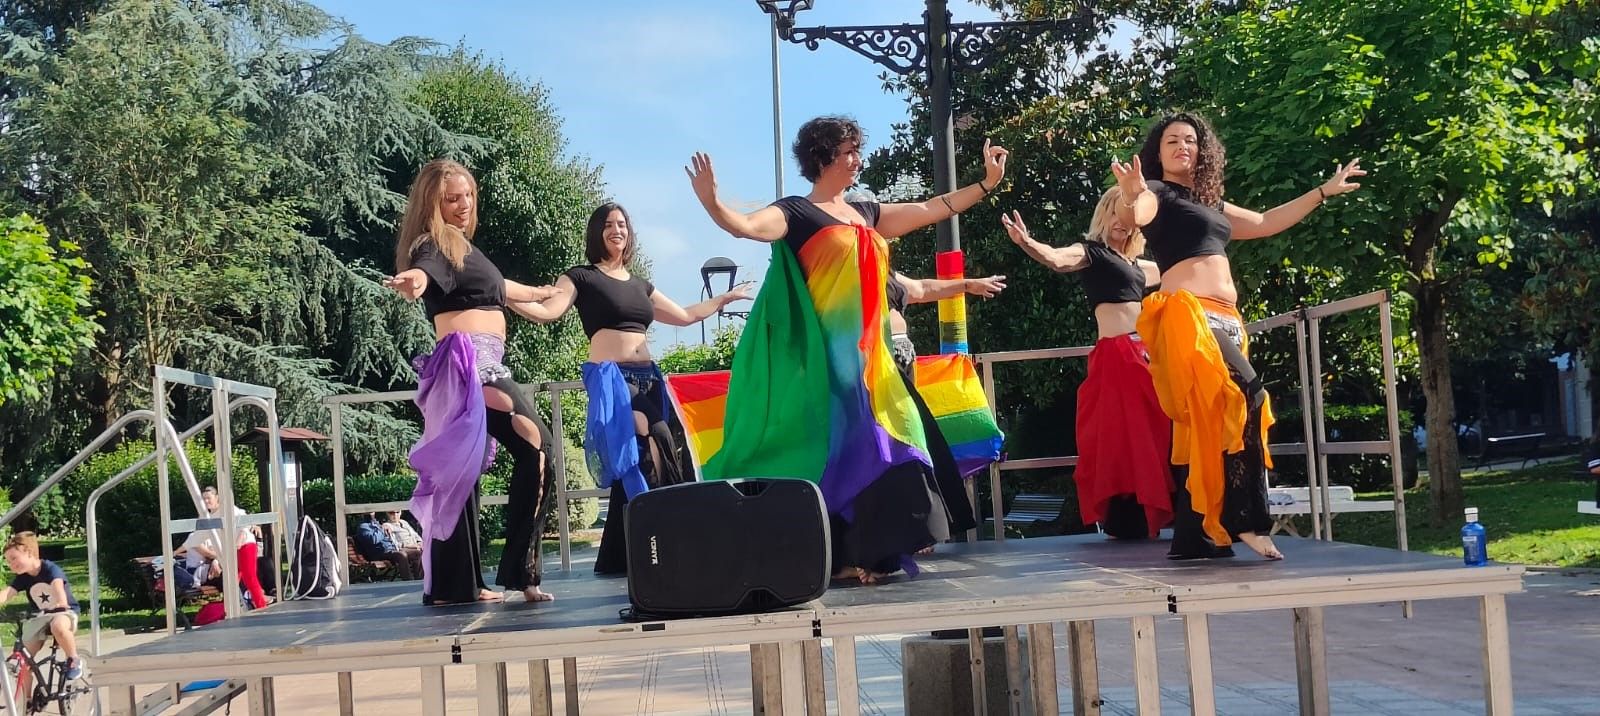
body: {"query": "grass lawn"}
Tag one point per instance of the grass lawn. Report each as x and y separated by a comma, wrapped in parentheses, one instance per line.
(1531, 517)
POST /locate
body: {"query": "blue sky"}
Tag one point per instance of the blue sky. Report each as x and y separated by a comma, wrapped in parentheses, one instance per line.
(642, 85)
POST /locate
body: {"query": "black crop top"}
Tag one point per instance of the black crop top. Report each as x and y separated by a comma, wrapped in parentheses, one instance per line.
(605, 302)
(478, 285)
(1110, 278)
(806, 219)
(1184, 228)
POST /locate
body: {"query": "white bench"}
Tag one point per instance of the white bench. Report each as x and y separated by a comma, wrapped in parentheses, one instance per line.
(1284, 503)
(1027, 509)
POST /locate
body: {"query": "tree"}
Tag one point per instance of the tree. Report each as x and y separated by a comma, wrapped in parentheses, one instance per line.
(45, 320)
(199, 152)
(1453, 106)
(692, 358)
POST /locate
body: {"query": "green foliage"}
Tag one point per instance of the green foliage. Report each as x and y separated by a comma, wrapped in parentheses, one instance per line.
(5, 506)
(693, 358)
(44, 307)
(129, 515)
(1560, 295)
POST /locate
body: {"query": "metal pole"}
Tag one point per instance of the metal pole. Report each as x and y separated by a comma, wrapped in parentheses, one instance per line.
(281, 531)
(340, 531)
(952, 311)
(228, 541)
(777, 114)
(1308, 425)
(1322, 483)
(563, 518)
(1391, 406)
(164, 501)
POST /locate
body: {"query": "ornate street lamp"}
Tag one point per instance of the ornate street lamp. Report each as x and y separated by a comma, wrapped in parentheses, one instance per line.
(720, 266)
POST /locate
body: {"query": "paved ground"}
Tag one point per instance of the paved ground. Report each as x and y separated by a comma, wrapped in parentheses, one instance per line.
(1380, 663)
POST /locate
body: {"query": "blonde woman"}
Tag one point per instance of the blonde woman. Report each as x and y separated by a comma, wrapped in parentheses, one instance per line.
(1124, 481)
(467, 395)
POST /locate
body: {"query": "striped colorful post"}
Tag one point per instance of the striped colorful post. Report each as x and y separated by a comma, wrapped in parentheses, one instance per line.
(952, 311)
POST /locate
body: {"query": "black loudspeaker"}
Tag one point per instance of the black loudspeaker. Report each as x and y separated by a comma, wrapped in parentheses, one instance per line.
(726, 547)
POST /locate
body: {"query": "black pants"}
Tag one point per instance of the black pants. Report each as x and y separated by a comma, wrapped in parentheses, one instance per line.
(453, 562)
(896, 515)
(533, 476)
(671, 469)
(1244, 494)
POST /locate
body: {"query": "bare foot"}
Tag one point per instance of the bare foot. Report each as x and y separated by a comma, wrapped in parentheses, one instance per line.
(489, 595)
(925, 551)
(1262, 545)
(857, 573)
(535, 594)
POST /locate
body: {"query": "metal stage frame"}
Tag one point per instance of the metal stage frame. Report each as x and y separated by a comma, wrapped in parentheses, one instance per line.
(1033, 584)
(1046, 581)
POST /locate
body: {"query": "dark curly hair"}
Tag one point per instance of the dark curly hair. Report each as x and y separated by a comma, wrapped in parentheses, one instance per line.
(594, 242)
(1206, 179)
(819, 141)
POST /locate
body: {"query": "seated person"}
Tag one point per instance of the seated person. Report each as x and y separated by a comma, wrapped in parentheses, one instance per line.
(46, 586)
(201, 549)
(405, 539)
(374, 543)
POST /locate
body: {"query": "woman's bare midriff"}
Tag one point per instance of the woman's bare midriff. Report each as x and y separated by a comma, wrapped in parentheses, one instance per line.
(1116, 319)
(474, 320)
(619, 347)
(1206, 276)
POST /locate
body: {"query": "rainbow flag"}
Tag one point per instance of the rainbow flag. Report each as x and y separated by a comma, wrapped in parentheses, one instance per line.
(702, 400)
(948, 383)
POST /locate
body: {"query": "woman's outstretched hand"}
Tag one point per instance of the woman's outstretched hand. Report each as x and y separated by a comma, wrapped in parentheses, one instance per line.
(407, 284)
(994, 164)
(742, 292)
(988, 287)
(1340, 182)
(1015, 229)
(1130, 178)
(702, 177)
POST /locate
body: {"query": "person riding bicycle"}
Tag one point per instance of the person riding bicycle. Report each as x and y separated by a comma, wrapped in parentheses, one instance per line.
(46, 586)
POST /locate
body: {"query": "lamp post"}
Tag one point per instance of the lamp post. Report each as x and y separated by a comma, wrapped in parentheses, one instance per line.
(938, 48)
(718, 266)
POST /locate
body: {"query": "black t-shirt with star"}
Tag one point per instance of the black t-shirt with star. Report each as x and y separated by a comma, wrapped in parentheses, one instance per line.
(37, 587)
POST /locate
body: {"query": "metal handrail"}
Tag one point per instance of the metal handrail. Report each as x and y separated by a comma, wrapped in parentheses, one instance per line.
(185, 469)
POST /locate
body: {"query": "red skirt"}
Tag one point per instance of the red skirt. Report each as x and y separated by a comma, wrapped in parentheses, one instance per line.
(1124, 439)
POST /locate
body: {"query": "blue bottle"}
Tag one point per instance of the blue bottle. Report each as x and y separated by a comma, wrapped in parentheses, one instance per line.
(1474, 541)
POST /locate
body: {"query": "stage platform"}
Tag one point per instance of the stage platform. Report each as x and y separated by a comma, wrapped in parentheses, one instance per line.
(1030, 583)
